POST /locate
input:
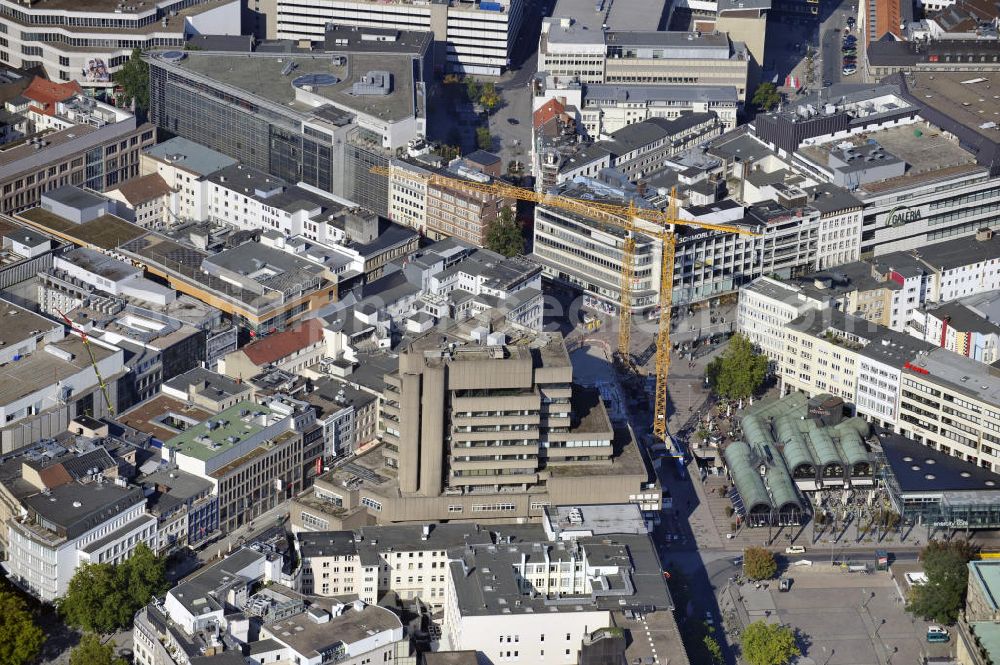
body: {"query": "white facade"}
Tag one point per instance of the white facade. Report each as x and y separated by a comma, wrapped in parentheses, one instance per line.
(765, 306)
(89, 46)
(477, 37)
(967, 280)
(554, 637)
(45, 563)
(839, 238)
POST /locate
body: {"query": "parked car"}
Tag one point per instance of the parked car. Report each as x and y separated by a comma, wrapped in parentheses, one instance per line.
(785, 584)
(937, 634)
(709, 619)
(848, 71)
(795, 549)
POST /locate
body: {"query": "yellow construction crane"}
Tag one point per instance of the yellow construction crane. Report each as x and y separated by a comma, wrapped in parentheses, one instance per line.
(93, 362)
(659, 226)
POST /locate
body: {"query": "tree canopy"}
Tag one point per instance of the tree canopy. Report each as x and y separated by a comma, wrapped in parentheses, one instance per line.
(504, 235)
(766, 97)
(90, 651)
(102, 597)
(133, 77)
(484, 140)
(768, 644)
(943, 595)
(739, 372)
(20, 638)
(759, 563)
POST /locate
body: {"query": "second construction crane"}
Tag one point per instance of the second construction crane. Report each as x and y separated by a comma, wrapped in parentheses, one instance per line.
(657, 224)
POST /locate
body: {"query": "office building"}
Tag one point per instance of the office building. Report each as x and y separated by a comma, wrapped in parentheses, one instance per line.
(48, 379)
(202, 616)
(549, 446)
(497, 596)
(251, 453)
(185, 508)
(207, 389)
(70, 525)
(330, 117)
(291, 350)
(470, 37)
(89, 43)
(408, 560)
(439, 210)
(354, 634)
(94, 153)
(960, 329)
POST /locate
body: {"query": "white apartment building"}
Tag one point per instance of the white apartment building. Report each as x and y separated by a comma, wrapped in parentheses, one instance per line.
(184, 166)
(410, 561)
(765, 307)
(73, 524)
(952, 404)
(608, 108)
(89, 42)
(472, 36)
(355, 634)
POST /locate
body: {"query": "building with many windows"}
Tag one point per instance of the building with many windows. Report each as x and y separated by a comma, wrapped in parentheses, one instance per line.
(321, 118)
(73, 524)
(471, 36)
(547, 438)
(89, 42)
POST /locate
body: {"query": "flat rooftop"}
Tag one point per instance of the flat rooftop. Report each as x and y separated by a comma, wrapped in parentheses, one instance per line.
(309, 638)
(986, 574)
(261, 75)
(105, 232)
(929, 156)
(176, 18)
(919, 468)
(42, 369)
(163, 417)
(221, 432)
(19, 323)
(190, 156)
(962, 374)
(637, 15)
(969, 98)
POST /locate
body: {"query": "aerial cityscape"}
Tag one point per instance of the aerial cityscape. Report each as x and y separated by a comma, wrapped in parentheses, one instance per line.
(498, 332)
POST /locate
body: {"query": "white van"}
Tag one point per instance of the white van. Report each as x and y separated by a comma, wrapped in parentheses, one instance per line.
(795, 549)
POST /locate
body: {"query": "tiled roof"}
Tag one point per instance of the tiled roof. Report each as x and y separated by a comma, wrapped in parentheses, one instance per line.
(146, 188)
(547, 111)
(47, 93)
(280, 345)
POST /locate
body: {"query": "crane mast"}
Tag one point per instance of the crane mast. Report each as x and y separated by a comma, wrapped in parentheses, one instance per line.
(623, 217)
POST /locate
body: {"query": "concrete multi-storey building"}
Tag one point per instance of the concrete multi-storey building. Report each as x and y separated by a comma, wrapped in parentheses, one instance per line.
(48, 378)
(319, 118)
(90, 42)
(471, 37)
(545, 439)
(253, 454)
(570, 52)
(94, 153)
(73, 524)
(439, 210)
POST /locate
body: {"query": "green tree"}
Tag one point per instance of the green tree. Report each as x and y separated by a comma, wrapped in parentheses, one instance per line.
(20, 638)
(943, 595)
(739, 372)
(504, 235)
(133, 77)
(768, 644)
(766, 97)
(711, 646)
(472, 89)
(484, 140)
(90, 651)
(102, 597)
(489, 98)
(449, 152)
(759, 563)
